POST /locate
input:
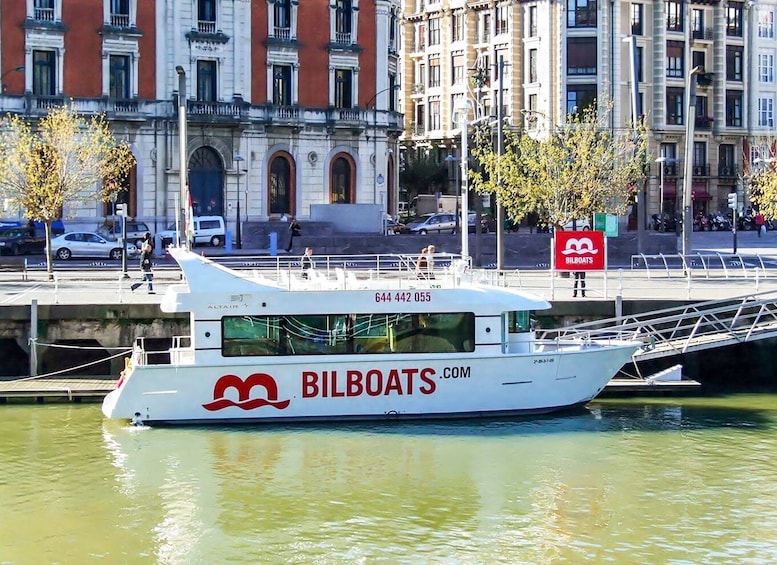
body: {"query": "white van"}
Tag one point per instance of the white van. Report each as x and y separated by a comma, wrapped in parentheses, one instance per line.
(207, 229)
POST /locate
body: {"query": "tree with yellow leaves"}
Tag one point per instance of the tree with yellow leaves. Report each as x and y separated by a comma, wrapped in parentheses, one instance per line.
(580, 168)
(761, 176)
(67, 158)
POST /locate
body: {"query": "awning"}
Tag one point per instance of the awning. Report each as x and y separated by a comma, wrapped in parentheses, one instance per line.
(699, 191)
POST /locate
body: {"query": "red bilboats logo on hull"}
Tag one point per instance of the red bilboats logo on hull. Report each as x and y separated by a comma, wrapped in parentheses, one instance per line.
(244, 387)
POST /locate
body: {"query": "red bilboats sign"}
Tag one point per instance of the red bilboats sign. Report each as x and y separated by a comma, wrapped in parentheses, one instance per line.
(580, 251)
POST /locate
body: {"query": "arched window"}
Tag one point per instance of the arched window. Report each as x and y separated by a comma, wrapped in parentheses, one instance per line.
(342, 181)
(281, 184)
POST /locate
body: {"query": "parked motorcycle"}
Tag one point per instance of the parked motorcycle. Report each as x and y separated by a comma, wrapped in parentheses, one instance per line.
(718, 222)
(701, 222)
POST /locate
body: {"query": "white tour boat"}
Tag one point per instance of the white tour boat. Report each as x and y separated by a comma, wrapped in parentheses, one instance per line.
(350, 349)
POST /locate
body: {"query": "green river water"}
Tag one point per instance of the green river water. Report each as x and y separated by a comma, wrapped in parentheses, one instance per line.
(639, 481)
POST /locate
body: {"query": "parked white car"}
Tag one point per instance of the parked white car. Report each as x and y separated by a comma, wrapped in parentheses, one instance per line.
(88, 244)
(207, 229)
(582, 225)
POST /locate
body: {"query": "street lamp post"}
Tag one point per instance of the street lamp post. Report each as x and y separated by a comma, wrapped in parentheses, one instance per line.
(18, 68)
(662, 225)
(238, 231)
(182, 144)
(374, 102)
(687, 179)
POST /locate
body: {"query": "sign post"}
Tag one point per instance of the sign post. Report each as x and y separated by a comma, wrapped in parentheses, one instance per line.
(579, 252)
(732, 203)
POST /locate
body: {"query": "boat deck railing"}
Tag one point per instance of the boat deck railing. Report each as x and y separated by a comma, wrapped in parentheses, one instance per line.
(350, 272)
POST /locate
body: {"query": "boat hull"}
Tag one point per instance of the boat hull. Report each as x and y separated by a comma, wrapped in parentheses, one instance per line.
(320, 388)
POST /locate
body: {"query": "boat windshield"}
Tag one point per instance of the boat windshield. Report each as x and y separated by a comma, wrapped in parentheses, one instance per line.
(328, 334)
(519, 322)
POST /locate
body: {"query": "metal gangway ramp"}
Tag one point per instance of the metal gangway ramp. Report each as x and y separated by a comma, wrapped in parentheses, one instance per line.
(684, 329)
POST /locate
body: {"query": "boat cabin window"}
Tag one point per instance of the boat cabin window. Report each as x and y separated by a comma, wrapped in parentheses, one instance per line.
(519, 322)
(332, 334)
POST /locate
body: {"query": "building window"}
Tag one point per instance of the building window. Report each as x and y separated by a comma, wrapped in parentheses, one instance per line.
(674, 106)
(343, 21)
(457, 27)
(119, 76)
(580, 97)
(698, 59)
(120, 13)
(581, 56)
(699, 154)
(640, 64)
(637, 17)
(43, 10)
(766, 23)
(726, 160)
(282, 19)
(734, 57)
(457, 64)
(766, 67)
(281, 90)
(766, 111)
(674, 15)
(343, 88)
(533, 53)
(532, 21)
(434, 72)
(434, 31)
(206, 16)
(206, 81)
(531, 114)
(484, 27)
(734, 19)
(280, 184)
(581, 13)
(44, 76)
(697, 24)
(501, 19)
(420, 36)
(342, 180)
(734, 108)
(434, 114)
(675, 64)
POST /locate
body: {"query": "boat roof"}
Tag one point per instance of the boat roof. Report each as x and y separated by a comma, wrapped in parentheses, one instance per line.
(212, 290)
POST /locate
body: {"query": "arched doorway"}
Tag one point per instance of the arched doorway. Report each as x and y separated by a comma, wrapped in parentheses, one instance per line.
(341, 180)
(281, 183)
(206, 182)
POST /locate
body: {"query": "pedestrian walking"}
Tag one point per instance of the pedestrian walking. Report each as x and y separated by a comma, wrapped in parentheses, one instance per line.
(760, 223)
(579, 280)
(145, 268)
(294, 231)
(307, 262)
(147, 240)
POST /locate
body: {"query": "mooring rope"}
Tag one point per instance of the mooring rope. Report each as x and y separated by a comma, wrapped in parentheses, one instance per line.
(54, 373)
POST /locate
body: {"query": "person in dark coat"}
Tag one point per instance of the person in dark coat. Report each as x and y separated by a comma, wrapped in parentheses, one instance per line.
(145, 267)
(294, 231)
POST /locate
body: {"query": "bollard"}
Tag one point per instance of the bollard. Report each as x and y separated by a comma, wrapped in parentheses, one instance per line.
(228, 242)
(273, 244)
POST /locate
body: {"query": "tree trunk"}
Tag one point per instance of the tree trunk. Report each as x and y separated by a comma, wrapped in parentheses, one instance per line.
(49, 260)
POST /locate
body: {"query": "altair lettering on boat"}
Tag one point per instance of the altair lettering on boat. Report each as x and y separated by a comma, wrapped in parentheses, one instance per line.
(372, 383)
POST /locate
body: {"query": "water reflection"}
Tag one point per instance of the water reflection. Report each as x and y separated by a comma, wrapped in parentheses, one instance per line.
(615, 481)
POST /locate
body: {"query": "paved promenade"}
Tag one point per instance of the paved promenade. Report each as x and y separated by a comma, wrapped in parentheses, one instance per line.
(757, 272)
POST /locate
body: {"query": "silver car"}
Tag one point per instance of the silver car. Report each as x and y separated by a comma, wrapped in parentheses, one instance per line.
(88, 244)
(441, 222)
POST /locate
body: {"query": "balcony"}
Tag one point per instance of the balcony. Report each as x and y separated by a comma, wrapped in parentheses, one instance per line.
(728, 171)
(120, 20)
(343, 38)
(704, 80)
(43, 14)
(282, 33)
(210, 111)
(205, 26)
(701, 171)
(670, 170)
(704, 122)
(704, 34)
